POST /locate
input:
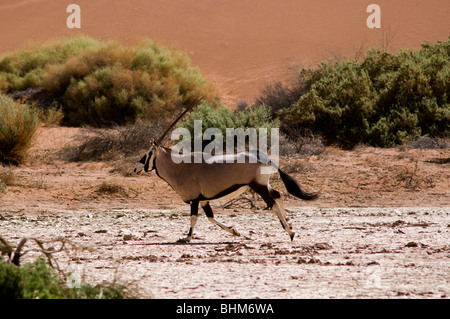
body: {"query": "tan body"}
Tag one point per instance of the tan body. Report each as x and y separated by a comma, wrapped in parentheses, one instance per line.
(193, 180)
(200, 183)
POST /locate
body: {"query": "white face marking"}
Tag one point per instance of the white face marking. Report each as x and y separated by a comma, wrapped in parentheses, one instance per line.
(145, 162)
(139, 168)
(151, 162)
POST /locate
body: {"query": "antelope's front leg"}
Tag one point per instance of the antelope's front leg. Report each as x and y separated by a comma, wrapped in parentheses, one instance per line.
(194, 215)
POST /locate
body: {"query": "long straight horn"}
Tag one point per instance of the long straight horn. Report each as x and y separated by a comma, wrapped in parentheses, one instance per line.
(190, 107)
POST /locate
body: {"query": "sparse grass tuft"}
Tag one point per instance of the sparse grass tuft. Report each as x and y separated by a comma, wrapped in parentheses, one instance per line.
(114, 143)
(413, 178)
(109, 188)
(52, 116)
(18, 123)
(7, 178)
(428, 143)
(302, 143)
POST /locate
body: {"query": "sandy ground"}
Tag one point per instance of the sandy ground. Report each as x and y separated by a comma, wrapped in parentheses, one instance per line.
(380, 228)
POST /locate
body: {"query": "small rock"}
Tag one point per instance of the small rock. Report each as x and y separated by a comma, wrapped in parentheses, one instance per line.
(412, 244)
(231, 247)
(373, 263)
(314, 261)
(350, 263)
(398, 223)
(401, 293)
(127, 237)
(323, 246)
(267, 245)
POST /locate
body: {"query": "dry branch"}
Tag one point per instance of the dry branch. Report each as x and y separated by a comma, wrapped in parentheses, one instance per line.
(15, 255)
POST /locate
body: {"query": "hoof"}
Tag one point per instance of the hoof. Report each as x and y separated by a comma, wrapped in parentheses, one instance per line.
(235, 232)
(184, 240)
(292, 236)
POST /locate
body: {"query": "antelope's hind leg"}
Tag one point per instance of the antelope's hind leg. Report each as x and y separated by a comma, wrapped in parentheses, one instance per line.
(274, 200)
(194, 216)
(209, 213)
(278, 208)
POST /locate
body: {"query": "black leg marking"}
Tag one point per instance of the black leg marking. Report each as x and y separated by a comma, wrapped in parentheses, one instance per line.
(194, 215)
(264, 192)
(208, 210)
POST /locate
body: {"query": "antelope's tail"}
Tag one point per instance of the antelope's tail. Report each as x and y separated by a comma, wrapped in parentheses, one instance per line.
(294, 188)
(291, 184)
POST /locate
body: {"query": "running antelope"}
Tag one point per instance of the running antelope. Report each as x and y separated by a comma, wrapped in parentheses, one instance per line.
(218, 177)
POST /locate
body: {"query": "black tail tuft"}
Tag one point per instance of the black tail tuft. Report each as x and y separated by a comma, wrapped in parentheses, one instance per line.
(294, 188)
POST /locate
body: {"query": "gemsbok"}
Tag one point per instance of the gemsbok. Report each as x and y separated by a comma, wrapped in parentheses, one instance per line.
(219, 177)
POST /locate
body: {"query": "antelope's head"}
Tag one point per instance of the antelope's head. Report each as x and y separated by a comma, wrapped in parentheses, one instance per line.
(147, 162)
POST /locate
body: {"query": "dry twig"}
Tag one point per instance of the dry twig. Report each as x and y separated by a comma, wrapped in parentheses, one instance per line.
(14, 255)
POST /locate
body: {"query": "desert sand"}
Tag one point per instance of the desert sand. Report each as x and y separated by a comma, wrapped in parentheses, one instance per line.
(380, 228)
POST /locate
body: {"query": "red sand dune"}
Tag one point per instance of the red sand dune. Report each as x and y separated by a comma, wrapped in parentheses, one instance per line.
(239, 45)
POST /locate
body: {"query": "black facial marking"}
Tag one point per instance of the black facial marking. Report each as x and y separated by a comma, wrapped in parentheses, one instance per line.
(146, 161)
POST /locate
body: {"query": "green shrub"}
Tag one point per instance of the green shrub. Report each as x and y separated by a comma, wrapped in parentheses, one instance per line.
(383, 100)
(18, 123)
(220, 117)
(24, 68)
(281, 96)
(103, 84)
(37, 281)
